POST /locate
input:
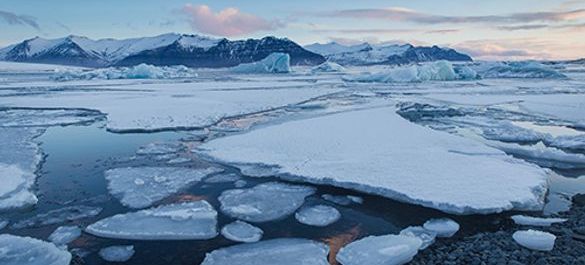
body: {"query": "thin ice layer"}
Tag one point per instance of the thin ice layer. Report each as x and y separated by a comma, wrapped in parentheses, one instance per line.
(184, 221)
(16, 250)
(378, 152)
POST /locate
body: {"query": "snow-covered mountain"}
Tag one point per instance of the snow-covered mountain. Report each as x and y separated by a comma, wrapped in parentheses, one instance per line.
(166, 49)
(368, 54)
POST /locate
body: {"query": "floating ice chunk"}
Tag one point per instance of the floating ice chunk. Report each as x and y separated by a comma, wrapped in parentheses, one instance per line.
(264, 202)
(444, 227)
(426, 236)
(242, 232)
(46, 117)
(64, 235)
(342, 200)
(274, 63)
(380, 250)
(160, 148)
(435, 71)
(521, 70)
(535, 240)
(328, 67)
(536, 221)
(311, 152)
(184, 221)
(541, 154)
(117, 253)
(70, 213)
(222, 178)
(15, 250)
(318, 215)
(141, 71)
(284, 251)
(140, 187)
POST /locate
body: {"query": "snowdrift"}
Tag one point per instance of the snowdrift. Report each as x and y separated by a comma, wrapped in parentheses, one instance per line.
(274, 63)
(436, 71)
(141, 71)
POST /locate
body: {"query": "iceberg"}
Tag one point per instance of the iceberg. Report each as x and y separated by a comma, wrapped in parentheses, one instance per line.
(58, 216)
(328, 67)
(184, 221)
(318, 215)
(242, 232)
(435, 71)
(433, 162)
(427, 237)
(536, 221)
(16, 250)
(521, 70)
(283, 251)
(274, 63)
(141, 71)
(380, 250)
(443, 227)
(535, 240)
(140, 187)
(64, 235)
(264, 202)
(117, 253)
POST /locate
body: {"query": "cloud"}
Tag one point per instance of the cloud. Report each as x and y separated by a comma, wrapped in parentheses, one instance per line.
(571, 26)
(227, 22)
(500, 50)
(14, 19)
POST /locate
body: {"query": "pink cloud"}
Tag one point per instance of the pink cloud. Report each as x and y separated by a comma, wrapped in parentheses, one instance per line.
(227, 22)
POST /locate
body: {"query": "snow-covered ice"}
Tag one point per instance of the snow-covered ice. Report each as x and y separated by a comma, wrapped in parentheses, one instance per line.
(16, 250)
(444, 227)
(242, 232)
(426, 236)
(140, 187)
(183, 221)
(58, 216)
(64, 235)
(407, 162)
(264, 202)
(274, 63)
(536, 221)
(284, 251)
(535, 240)
(380, 250)
(317, 215)
(117, 253)
(435, 71)
(141, 71)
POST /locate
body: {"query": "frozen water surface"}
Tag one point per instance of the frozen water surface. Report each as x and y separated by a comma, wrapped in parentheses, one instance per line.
(17, 250)
(64, 235)
(317, 215)
(117, 253)
(534, 239)
(380, 250)
(242, 232)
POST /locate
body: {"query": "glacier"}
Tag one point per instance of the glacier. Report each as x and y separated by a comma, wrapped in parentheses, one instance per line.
(407, 162)
(242, 232)
(274, 63)
(535, 240)
(141, 71)
(117, 253)
(435, 71)
(380, 250)
(16, 250)
(317, 215)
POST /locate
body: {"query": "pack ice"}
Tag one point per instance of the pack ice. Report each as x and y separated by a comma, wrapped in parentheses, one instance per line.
(264, 202)
(435, 71)
(16, 250)
(406, 162)
(140, 187)
(274, 63)
(284, 251)
(184, 221)
(380, 250)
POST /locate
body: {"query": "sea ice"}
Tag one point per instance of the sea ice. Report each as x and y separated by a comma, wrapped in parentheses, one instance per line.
(242, 232)
(426, 236)
(64, 235)
(117, 253)
(327, 67)
(435, 71)
(318, 215)
(70, 213)
(572, 142)
(535, 240)
(16, 250)
(140, 187)
(274, 63)
(284, 251)
(536, 221)
(264, 202)
(141, 71)
(444, 227)
(380, 250)
(433, 162)
(184, 221)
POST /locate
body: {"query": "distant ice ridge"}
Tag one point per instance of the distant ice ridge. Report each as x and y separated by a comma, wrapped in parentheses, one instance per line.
(117, 253)
(16, 250)
(283, 251)
(380, 250)
(141, 71)
(519, 70)
(535, 240)
(274, 63)
(328, 67)
(184, 221)
(435, 161)
(435, 71)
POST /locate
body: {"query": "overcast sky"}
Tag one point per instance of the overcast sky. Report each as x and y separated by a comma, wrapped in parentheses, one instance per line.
(494, 29)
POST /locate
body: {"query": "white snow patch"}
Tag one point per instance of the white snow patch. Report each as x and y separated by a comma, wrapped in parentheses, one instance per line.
(536, 221)
(117, 253)
(535, 240)
(16, 250)
(242, 232)
(274, 63)
(317, 215)
(380, 250)
(444, 227)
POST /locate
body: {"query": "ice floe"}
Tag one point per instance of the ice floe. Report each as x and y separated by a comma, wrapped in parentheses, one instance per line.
(536, 221)
(184, 221)
(242, 232)
(535, 240)
(328, 67)
(274, 63)
(16, 250)
(426, 236)
(444, 227)
(141, 71)
(58, 216)
(406, 162)
(380, 250)
(284, 251)
(140, 187)
(264, 202)
(435, 71)
(317, 215)
(117, 253)
(64, 235)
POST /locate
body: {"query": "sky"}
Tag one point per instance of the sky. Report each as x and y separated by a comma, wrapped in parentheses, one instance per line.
(490, 30)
